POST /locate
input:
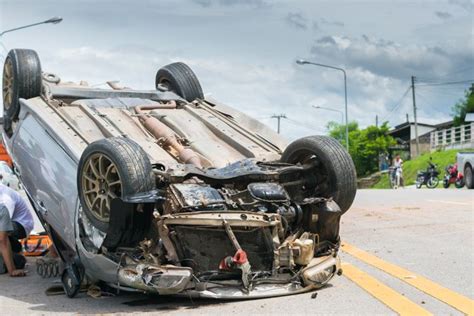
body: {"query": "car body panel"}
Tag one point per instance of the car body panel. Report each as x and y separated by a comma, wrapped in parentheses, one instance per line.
(51, 180)
(464, 159)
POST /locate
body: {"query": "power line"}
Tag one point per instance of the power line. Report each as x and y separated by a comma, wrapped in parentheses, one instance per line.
(302, 124)
(279, 117)
(442, 87)
(397, 105)
(446, 83)
(424, 98)
(299, 123)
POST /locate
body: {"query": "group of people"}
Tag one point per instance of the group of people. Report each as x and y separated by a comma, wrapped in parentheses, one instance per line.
(16, 222)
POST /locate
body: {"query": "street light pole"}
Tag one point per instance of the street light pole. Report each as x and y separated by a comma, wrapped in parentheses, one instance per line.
(53, 20)
(333, 110)
(305, 62)
(329, 109)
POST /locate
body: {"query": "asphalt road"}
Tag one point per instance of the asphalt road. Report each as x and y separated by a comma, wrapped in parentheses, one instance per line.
(406, 251)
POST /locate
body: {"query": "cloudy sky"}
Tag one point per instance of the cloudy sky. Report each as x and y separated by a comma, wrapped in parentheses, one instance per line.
(244, 52)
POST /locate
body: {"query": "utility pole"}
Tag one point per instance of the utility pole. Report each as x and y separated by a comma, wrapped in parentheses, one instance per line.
(377, 121)
(414, 115)
(278, 117)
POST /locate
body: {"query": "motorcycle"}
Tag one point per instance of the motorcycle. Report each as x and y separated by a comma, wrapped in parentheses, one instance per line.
(453, 176)
(395, 174)
(428, 177)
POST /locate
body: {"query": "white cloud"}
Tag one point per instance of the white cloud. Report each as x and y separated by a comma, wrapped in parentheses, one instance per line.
(391, 59)
(243, 51)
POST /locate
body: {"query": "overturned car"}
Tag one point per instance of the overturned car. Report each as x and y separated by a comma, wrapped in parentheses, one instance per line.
(169, 192)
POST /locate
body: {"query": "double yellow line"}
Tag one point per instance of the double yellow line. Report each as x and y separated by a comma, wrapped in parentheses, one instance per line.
(393, 299)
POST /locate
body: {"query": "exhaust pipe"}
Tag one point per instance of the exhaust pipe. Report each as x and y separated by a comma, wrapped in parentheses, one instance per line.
(165, 134)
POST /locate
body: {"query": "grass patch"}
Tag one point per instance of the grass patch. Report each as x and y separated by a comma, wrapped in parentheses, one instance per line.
(411, 167)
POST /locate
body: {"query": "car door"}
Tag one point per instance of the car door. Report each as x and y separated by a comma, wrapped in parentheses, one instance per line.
(48, 174)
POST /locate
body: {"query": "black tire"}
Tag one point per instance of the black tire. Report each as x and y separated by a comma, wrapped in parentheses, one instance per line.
(432, 182)
(131, 164)
(179, 78)
(336, 170)
(418, 184)
(459, 183)
(390, 180)
(21, 80)
(445, 183)
(468, 177)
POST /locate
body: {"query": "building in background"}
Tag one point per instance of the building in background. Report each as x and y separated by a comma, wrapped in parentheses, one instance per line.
(404, 134)
(448, 136)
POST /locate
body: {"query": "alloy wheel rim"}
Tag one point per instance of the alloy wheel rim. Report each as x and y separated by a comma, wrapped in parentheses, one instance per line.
(7, 88)
(101, 184)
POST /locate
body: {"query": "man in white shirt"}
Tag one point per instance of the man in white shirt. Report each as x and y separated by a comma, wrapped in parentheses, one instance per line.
(16, 222)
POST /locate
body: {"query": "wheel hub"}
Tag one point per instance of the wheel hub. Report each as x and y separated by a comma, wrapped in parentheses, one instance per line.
(8, 84)
(101, 184)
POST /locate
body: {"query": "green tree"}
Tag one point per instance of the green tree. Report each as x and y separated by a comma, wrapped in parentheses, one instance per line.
(365, 145)
(463, 107)
(338, 131)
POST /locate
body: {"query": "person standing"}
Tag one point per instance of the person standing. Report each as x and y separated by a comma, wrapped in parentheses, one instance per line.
(398, 165)
(16, 222)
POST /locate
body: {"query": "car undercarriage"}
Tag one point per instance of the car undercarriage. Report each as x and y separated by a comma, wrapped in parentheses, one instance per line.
(233, 233)
(169, 192)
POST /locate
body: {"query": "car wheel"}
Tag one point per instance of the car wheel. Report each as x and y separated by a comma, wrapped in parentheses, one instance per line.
(179, 78)
(21, 79)
(468, 177)
(336, 173)
(111, 168)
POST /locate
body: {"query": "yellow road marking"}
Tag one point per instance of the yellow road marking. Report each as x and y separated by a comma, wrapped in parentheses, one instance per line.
(383, 293)
(456, 300)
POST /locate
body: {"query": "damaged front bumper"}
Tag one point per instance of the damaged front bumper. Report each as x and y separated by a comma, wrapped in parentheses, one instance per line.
(197, 243)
